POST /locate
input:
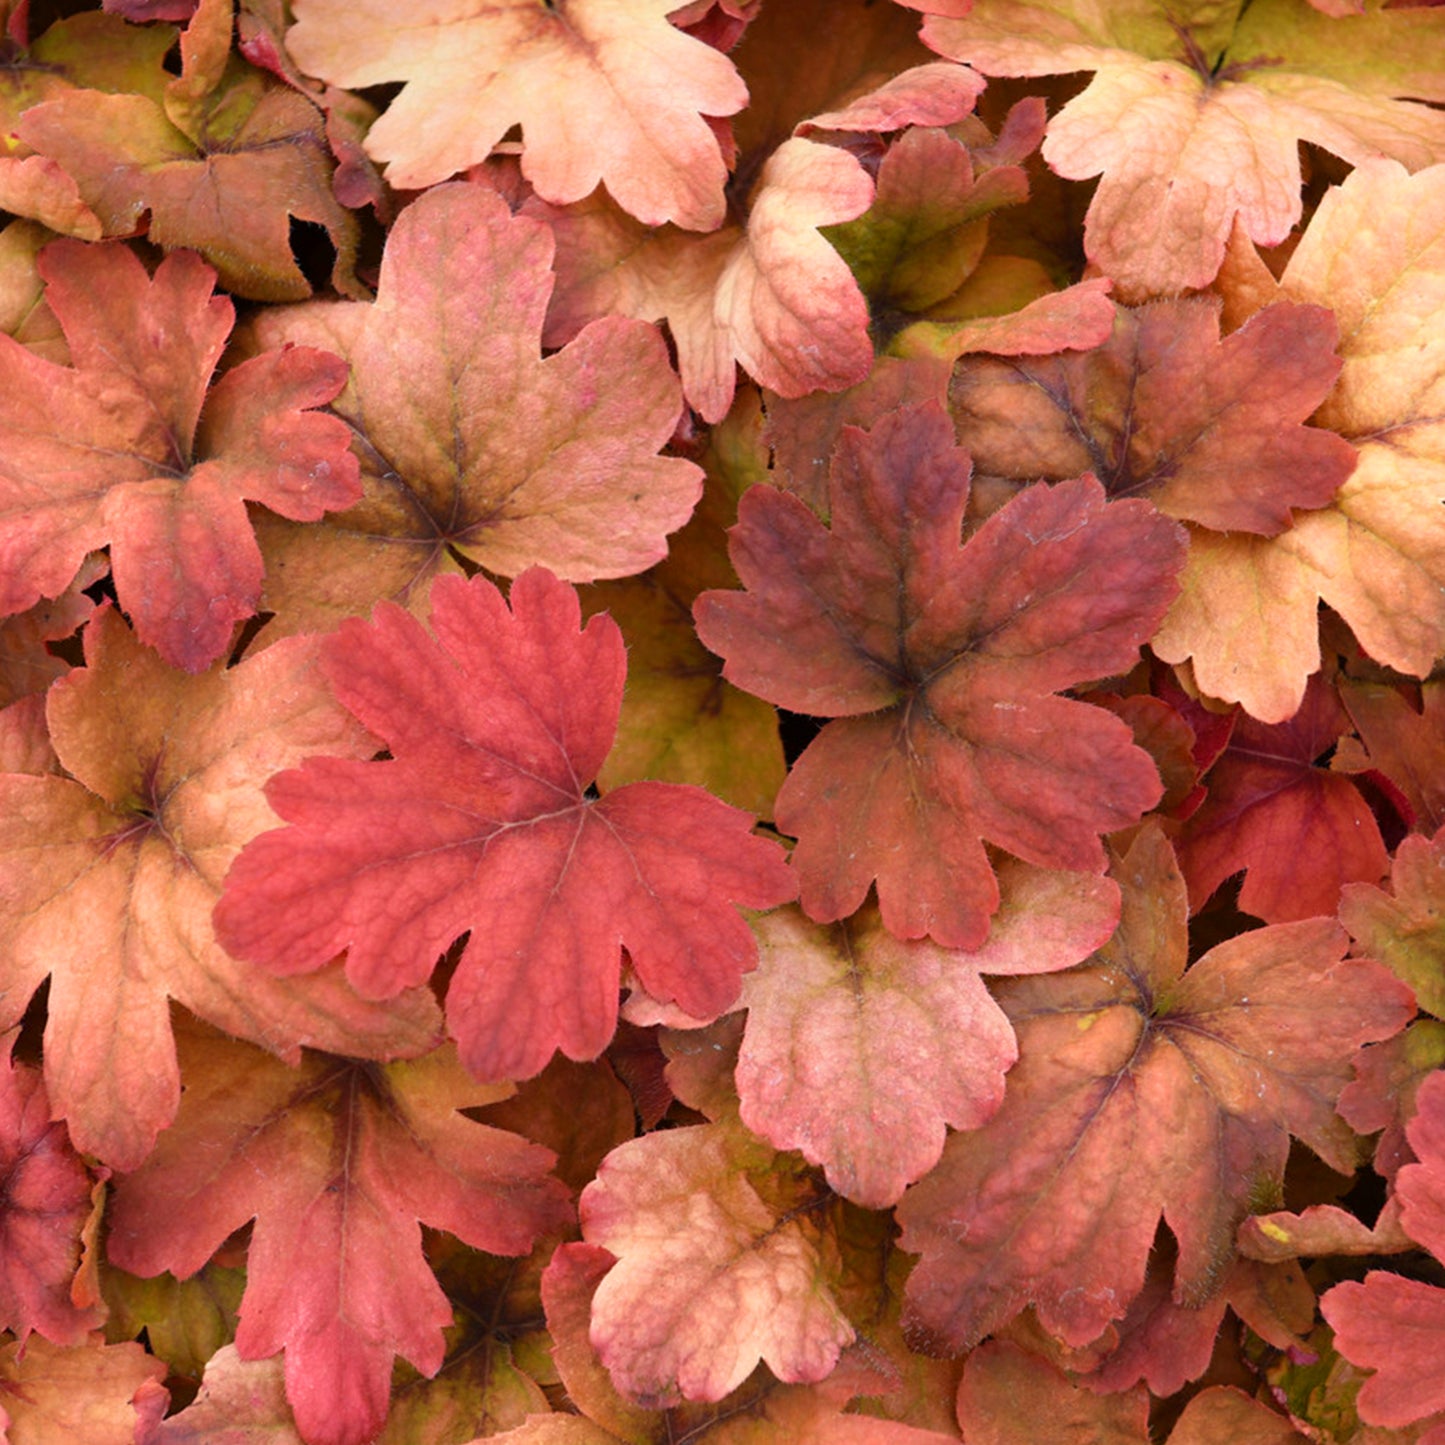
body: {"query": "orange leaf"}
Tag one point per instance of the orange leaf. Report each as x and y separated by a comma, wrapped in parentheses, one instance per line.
(604, 91)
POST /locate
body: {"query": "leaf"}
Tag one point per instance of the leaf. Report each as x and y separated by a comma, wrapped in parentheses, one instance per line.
(759, 1412)
(552, 463)
(926, 229)
(941, 662)
(847, 65)
(1392, 1325)
(1220, 1413)
(1033, 323)
(802, 432)
(603, 92)
(766, 290)
(336, 1161)
(720, 1265)
(46, 1193)
(1248, 613)
(115, 448)
(581, 1112)
(1211, 431)
(140, 11)
(498, 1351)
(1267, 786)
(929, 95)
(1403, 928)
(771, 295)
(1319, 1229)
(496, 726)
(1194, 118)
(1421, 1186)
(27, 665)
(1405, 743)
(240, 1402)
(111, 869)
(1165, 1343)
(186, 1321)
(1142, 1091)
(222, 162)
(569, 1285)
(102, 1394)
(483, 1388)
(702, 1063)
(96, 52)
(899, 1038)
(1382, 1098)
(23, 312)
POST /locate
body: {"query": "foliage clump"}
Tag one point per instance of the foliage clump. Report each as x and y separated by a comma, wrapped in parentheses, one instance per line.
(720, 721)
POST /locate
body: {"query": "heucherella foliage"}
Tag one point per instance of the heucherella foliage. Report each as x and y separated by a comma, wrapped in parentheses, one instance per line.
(496, 724)
(938, 660)
(721, 720)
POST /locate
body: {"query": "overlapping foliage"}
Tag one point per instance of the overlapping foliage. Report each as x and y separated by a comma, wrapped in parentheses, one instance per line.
(719, 721)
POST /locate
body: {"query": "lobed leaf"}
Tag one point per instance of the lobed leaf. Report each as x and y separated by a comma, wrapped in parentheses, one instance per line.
(1142, 1091)
(941, 661)
(772, 295)
(114, 448)
(222, 161)
(1193, 119)
(1266, 787)
(1211, 431)
(497, 723)
(336, 1161)
(605, 90)
(1402, 928)
(720, 1264)
(112, 855)
(471, 444)
(1248, 612)
(102, 1394)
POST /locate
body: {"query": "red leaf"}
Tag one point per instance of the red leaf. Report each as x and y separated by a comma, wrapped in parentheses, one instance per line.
(942, 660)
(1165, 1342)
(1142, 1091)
(1396, 1327)
(45, 1203)
(1382, 1098)
(1265, 794)
(1211, 430)
(336, 1162)
(115, 449)
(1406, 744)
(480, 820)
(1421, 1186)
